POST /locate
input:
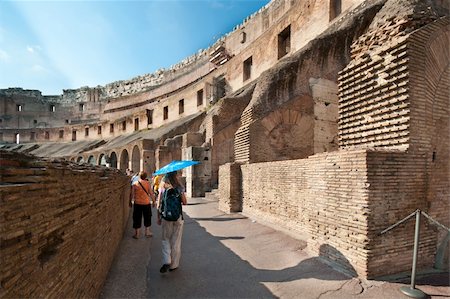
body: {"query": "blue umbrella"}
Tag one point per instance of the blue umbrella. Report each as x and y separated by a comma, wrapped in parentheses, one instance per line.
(174, 166)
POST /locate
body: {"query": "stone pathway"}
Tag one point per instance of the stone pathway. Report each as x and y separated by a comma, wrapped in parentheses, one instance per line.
(231, 256)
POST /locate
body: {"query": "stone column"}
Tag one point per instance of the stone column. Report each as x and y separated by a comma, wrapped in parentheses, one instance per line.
(198, 177)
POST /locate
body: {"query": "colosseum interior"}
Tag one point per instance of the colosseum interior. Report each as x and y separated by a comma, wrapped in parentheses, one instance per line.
(329, 118)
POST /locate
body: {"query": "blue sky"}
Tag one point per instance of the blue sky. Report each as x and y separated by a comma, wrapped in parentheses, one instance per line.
(56, 45)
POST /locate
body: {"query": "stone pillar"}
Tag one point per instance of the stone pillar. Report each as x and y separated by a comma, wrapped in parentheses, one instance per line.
(148, 156)
(230, 193)
(162, 156)
(198, 177)
(192, 139)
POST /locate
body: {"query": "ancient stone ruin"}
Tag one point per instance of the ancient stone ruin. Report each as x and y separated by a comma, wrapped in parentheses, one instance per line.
(329, 118)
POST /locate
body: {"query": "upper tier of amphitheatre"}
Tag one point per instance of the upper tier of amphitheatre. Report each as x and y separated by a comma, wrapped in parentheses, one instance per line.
(233, 62)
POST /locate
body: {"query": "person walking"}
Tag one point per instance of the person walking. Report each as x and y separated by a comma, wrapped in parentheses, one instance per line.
(143, 199)
(170, 199)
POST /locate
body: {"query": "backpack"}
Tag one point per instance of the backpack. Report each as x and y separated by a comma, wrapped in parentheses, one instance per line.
(171, 205)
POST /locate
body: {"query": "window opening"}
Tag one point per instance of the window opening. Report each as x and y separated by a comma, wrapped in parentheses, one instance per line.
(200, 97)
(243, 37)
(166, 112)
(74, 135)
(136, 124)
(124, 125)
(335, 8)
(181, 106)
(33, 136)
(149, 117)
(19, 108)
(111, 128)
(47, 135)
(86, 132)
(52, 108)
(247, 68)
(284, 42)
(17, 138)
(61, 134)
(82, 107)
(99, 130)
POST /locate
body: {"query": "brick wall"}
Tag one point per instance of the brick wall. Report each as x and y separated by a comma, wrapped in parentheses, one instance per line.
(60, 227)
(374, 106)
(394, 102)
(324, 196)
(342, 201)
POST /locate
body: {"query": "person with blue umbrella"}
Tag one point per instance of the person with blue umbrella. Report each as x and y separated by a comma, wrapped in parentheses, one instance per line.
(171, 197)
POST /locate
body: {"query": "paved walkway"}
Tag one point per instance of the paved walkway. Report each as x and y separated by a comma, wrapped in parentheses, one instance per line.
(231, 256)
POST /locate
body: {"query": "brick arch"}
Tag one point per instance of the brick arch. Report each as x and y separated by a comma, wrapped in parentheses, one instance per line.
(430, 110)
(289, 133)
(428, 64)
(91, 160)
(113, 159)
(102, 159)
(136, 159)
(124, 160)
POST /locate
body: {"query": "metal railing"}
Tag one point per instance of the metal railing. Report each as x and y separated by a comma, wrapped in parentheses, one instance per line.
(411, 291)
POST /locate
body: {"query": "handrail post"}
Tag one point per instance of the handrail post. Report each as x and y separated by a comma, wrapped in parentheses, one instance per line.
(411, 291)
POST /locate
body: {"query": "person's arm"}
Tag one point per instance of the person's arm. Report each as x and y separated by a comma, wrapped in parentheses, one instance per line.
(183, 198)
(159, 206)
(131, 196)
(152, 197)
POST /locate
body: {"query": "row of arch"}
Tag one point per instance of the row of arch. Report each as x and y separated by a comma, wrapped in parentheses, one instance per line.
(112, 159)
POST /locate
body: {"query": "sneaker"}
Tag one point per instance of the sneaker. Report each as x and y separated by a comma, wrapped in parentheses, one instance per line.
(172, 269)
(164, 268)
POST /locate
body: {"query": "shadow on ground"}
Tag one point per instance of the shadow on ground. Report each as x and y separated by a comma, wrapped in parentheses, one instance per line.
(209, 269)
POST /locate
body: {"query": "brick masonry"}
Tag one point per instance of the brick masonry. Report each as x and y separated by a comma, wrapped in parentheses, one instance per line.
(393, 157)
(60, 227)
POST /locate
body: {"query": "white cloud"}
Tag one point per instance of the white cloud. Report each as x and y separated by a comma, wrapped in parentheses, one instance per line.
(37, 68)
(4, 56)
(33, 49)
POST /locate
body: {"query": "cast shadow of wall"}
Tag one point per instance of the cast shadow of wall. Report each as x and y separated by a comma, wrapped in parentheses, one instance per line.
(209, 269)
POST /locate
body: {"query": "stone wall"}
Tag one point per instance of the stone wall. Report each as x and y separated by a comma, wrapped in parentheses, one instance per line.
(60, 227)
(230, 188)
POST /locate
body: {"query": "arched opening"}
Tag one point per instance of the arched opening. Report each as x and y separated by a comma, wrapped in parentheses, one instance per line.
(102, 160)
(91, 160)
(124, 160)
(17, 138)
(113, 160)
(80, 160)
(135, 159)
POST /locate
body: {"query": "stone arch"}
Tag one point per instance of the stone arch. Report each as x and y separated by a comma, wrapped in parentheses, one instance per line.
(80, 159)
(124, 160)
(102, 159)
(288, 133)
(136, 159)
(91, 160)
(113, 160)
